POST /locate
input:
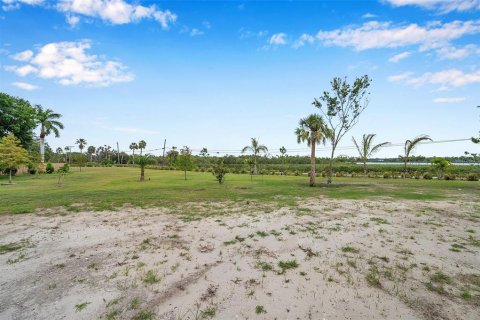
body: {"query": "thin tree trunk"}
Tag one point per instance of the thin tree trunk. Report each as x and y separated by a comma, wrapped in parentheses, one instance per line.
(42, 149)
(81, 160)
(10, 176)
(185, 175)
(405, 168)
(365, 168)
(330, 165)
(313, 163)
(142, 173)
(133, 158)
(254, 165)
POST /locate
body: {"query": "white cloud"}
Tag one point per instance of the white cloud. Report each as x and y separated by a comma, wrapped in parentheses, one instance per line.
(304, 38)
(449, 100)
(116, 11)
(25, 86)
(278, 39)
(69, 63)
(15, 4)
(451, 52)
(369, 15)
(23, 56)
(72, 20)
(445, 78)
(443, 6)
(400, 56)
(196, 32)
(374, 34)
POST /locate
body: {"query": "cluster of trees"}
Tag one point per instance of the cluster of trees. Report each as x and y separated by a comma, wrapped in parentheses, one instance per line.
(18, 120)
(339, 111)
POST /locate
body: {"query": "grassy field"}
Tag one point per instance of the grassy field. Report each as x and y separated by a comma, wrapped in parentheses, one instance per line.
(108, 188)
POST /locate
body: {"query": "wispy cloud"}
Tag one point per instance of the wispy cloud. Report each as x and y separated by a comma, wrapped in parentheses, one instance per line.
(278, 39)
(25, 86)
(196, 32)
(449, 100)
(442, 6)
(70, 64)
(396, 58)
(369, 15)
(445, 78)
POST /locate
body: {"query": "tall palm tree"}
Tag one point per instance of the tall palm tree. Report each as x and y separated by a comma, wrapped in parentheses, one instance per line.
(256, 148)
(141, 145)
(365, 148)
(48, 122)
(313, 130)
(133, 147)
(91, 150)
(408, 148)
(81, 144)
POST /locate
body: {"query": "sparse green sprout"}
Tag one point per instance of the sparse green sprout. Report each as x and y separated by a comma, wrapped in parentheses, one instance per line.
(208, 313)
(286, 265)
(144, 315)
(260, 309)
(350, 249)
(79, 307)
(151, 277)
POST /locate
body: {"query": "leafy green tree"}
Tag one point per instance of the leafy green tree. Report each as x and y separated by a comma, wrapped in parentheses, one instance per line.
(142, 162)
(17, 116)
(141, 145)
(204, 154)
(48, 122)
(81, 144)
(91, 151)
(342, 108)
(440, 164)
(172, 156)
(185, 160)
(219, 171)
(12, 155)
(366, 148)
(408, 148)
(256, 148)
(133, 147)
(313, 130)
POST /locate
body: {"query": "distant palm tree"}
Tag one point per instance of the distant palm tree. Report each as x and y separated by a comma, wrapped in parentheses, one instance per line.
(408, 148)
(365, 148)
(313, 130)
(133, 147)
(141, 145)
(59, 152)
(256, 148)
(91, 151)
(48, 122)
(81, 144)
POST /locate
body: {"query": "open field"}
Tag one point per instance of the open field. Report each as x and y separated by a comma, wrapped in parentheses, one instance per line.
(273, 248)
(108, 188)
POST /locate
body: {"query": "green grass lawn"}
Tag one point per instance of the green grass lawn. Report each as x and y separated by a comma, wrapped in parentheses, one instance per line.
(108, 188)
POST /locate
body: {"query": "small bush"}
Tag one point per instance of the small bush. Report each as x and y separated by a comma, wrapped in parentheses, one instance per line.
(472, 177)
(32, 168)
(449, 176)
(387, 175)
(427, 176)
(49, 169)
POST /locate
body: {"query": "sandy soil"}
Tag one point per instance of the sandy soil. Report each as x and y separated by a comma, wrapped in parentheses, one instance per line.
(325, 259)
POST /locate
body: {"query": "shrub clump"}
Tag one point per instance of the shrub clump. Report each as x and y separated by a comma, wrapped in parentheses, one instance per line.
(49, 168)
(472, 177)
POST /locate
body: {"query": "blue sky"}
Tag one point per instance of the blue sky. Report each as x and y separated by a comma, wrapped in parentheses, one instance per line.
(213, 74)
